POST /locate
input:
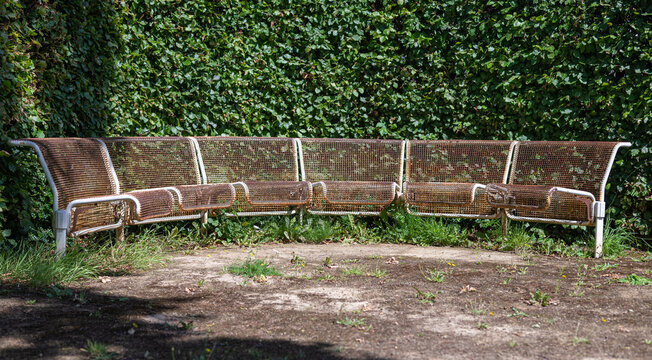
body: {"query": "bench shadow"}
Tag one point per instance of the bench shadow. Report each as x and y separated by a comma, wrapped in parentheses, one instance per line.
(59, 322)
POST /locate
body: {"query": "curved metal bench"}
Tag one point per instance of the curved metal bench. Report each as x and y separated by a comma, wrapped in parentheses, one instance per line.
(558, 182)
(101, 184)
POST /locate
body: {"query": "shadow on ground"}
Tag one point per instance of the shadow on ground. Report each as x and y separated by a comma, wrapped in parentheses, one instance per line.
(59, 322)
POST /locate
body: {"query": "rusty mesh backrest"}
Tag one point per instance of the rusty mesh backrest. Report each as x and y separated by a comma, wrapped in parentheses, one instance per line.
(231, 159)
(78, 167)
(579, 165)
(352, 160)
(457, 161)
(147, 163)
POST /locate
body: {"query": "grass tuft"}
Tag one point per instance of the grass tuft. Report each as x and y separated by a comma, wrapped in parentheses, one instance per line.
(253, 269)
(634, 279)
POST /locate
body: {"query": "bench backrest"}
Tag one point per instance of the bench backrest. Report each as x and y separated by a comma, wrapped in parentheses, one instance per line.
(458, 161)
(352, 160)
(232, 159)
(148, 163)
(580, 165)
(77, 168)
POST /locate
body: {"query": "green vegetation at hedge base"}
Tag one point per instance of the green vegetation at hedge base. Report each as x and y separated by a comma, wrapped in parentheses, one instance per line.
(418, 69)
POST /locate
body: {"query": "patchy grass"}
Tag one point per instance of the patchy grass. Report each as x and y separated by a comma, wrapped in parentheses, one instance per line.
(353, 270)
(634, 279)
(517, 313)
(320, 230)
(253, 269)
(352, 322)
(39, 266)
(98, 351)
(603, 267)
(378, 273)
(616, 239)
(425, 297)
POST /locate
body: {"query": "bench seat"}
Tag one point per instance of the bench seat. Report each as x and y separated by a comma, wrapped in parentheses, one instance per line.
(279, 193)
(205, 196)
(380, 193)
(154, 203)
(543, 202)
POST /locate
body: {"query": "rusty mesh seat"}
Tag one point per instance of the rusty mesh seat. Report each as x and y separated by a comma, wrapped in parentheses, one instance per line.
(264, 171)
(151, 166)
(352, 176)
(448, 177)
(555, 181)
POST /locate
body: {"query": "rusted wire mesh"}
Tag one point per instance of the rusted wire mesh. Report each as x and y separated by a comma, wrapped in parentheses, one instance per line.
(446, 194)
(578, 165)
(149, 163)
(206, 197)
(278, 192)
(352, 160)
(533, 197)
(440, 175)
(348, 196)
(153, 203)
(539, 200)
(79, 170)
(267, 165)
(575, 165)
(359, 175)
(457, 161)
(232, 159)
(153, 162)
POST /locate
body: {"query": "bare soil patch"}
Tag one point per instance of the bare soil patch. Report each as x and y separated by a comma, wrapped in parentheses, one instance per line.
(365, 302)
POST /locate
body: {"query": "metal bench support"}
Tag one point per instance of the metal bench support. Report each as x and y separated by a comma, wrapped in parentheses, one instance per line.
(600, 213)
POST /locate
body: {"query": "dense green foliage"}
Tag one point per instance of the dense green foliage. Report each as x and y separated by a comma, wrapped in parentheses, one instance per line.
(537, 70)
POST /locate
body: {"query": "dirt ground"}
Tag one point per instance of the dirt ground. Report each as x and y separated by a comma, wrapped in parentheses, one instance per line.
(364, 302)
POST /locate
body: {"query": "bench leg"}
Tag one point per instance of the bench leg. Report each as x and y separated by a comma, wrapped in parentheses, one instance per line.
(301, 215)
(60, 223)
(503, 222)
(120, 234)
(600, 212)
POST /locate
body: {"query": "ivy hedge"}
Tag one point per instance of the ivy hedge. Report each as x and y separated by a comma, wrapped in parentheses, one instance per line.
(525, 70)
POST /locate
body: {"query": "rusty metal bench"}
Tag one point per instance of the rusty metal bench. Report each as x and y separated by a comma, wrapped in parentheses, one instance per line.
(265, 170)
(86, 191)
(559, 182)
(101, 184)
(447, 178)
(352, 176)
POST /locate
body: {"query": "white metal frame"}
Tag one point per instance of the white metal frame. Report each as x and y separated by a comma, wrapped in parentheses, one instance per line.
(597, 208)
(475, 188)
(397, 188)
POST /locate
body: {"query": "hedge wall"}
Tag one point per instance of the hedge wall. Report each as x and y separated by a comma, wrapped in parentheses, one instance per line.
(526, 70)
